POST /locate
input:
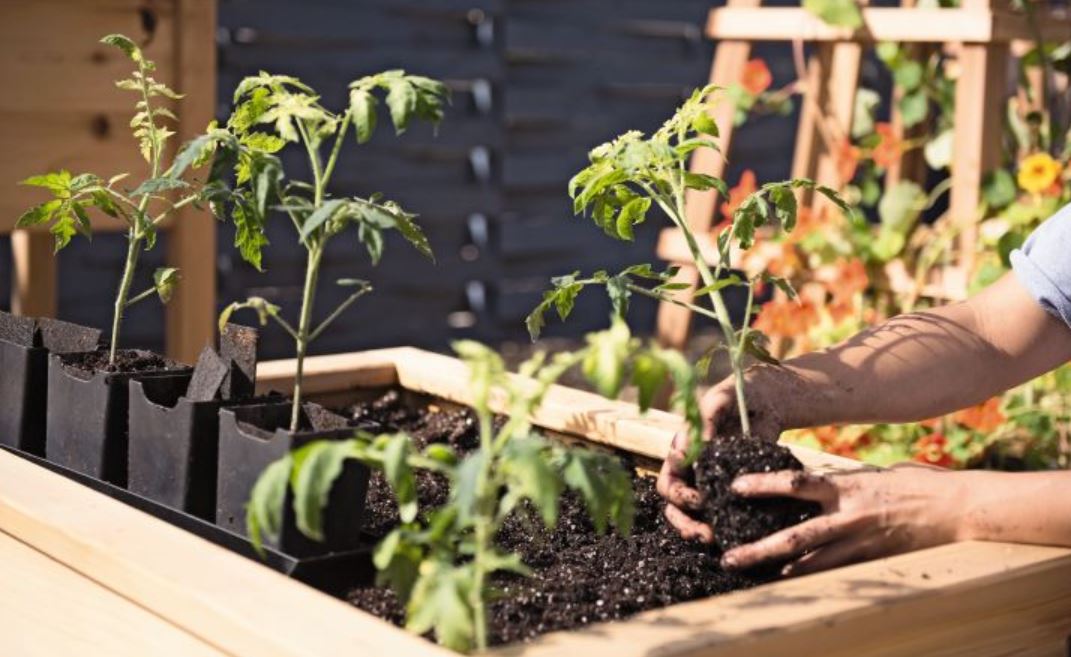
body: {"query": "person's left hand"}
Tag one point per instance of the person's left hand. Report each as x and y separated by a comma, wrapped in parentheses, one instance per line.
(866, 515)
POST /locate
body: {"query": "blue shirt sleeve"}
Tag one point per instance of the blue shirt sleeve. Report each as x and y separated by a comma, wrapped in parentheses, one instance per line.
(1043, 264)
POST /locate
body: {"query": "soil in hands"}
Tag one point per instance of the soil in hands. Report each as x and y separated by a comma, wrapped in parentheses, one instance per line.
(580, 576)
(126, 361)
(738, 520)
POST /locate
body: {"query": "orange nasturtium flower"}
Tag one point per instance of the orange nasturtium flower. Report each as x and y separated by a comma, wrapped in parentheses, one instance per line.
(933, 450)
(842, 441)
(746, 187)
(756, 77)
(783, 318)
(890, 147)
(984, 417)
(1038, 172)
(847, 161)
(844, 278)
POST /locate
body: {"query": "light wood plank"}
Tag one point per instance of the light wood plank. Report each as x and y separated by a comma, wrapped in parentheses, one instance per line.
(33, 280)
(233, 603)
(969, 25)
(805, 154)
(976, 147)
(47, 609)
(332, 373)
(191, 242)
(836, 103)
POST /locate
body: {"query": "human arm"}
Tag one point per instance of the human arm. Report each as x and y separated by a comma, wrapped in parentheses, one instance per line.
(912, 367)
(909, 368)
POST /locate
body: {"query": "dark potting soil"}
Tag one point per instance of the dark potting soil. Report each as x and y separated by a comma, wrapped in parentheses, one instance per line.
(580, 576)
(126, 361)
(737, 520)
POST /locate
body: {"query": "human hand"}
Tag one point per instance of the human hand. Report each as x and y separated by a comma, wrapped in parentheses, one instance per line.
(866, 515)
(718, 408)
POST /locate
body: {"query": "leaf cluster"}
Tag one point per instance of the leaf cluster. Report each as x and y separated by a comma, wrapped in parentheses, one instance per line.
(629, 174)
(438, 560)
(274, 110)
(73, 196)
(625, 178)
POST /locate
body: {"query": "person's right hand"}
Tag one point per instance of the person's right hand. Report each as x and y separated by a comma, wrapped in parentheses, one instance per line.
(718, 409)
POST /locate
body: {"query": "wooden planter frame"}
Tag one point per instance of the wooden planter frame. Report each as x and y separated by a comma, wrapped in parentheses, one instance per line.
(962, 599)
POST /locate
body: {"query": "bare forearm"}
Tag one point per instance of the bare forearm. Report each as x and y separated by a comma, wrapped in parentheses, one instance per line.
(1021, 507)
(921, 365)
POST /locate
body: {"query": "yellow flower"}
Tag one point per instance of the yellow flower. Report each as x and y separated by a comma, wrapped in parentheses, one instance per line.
(1038, 172)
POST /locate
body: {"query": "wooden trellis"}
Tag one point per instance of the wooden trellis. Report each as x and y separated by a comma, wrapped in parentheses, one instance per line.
(982, 32)
(60, 109)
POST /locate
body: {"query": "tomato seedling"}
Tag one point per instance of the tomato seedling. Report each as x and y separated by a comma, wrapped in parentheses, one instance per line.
(628, 176)
(273, 111)
(439, 561)
(142, 208)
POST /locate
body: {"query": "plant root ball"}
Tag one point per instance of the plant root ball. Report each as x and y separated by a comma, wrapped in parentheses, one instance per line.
(737, 520)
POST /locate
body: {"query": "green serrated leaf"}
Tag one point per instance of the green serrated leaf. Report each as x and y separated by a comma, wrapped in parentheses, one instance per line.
(705, 124)
(264, 513)
(158, 185)
(530, 476)
(164, 280)
(320, 216)
(59, 182)
(649, 375)
(440, 602)
(604, 364)
(126, 44)
(784, 202)
(363, 106)
(605, 487)
(316, 468)
(400, 476)
(402, 102)
(38, 214)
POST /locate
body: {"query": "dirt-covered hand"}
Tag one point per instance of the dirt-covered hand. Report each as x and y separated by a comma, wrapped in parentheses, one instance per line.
(866, 515)
(718, 407)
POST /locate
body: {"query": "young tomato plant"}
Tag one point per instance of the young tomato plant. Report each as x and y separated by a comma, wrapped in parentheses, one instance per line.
(439, 562)
(142, 209)
(633, 173)
(272, 111)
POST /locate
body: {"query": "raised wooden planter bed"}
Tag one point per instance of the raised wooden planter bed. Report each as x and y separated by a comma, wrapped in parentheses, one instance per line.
(964, 599)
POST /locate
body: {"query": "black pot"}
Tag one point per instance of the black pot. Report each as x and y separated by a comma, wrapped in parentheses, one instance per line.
(24, 347)
(87, 417)
(173, 445)
(23, 396)
(250, 438)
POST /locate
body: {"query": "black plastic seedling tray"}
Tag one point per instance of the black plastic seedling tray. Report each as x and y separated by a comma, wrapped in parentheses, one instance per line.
(327, 572)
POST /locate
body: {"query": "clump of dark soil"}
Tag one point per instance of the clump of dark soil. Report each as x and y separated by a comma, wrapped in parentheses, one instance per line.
(580, 576)
(738, 520)
(126, 361)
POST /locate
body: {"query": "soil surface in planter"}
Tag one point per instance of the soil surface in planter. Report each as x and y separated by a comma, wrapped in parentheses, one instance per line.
(580, 577)
(126, 360)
